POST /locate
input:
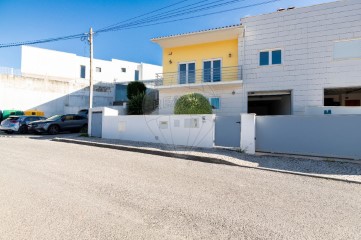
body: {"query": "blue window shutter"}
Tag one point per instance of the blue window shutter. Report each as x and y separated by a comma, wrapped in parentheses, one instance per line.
(264, 58)
(215, 103)
(277, 57)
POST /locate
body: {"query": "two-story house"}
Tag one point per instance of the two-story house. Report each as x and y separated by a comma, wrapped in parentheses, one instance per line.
(205, 62)
(293, 61)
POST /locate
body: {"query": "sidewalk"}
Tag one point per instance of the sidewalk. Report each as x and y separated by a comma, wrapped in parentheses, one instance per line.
(314, 167)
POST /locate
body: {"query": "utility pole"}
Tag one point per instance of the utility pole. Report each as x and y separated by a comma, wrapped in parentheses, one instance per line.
(90, 39)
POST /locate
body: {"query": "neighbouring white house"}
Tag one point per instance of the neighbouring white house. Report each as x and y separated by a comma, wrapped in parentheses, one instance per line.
(61, 65)
(58, 82)
(44, 62)
(303, 60)
(292, 61)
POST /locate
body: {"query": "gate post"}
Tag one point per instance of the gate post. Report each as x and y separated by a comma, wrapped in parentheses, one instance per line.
(248, 133)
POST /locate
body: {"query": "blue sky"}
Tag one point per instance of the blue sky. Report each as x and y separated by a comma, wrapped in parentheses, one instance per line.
(22, 20)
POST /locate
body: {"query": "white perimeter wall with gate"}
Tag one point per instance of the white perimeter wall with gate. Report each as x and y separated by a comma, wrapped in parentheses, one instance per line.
(184, 130)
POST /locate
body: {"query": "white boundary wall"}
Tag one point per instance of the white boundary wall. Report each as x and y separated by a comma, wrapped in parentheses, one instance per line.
(183, 130)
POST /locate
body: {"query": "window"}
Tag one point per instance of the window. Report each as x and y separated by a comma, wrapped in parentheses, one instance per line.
(68, 118)
(276, 57)
(187, 73)
(264, 58)
(77, 117)
(124, 70)
(215, 103)
(212, 71)
(347, 49)
(273, 57)
(136, 75)
(98, 69)
(121, 93)
(82, 71)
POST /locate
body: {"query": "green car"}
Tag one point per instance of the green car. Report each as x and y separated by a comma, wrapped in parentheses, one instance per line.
(7, 113)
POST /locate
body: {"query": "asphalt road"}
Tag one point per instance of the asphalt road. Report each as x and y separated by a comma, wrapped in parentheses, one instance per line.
(52, 190)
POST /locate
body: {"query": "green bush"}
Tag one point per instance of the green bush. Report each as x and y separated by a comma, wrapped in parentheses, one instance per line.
(135, 88)
(135, 105)
(193, 103)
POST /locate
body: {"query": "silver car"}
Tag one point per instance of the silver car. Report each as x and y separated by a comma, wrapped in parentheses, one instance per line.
(18, 124)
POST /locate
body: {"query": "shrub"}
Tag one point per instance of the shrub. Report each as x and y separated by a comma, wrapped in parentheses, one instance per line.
(135, 88)
(193, 103)
(135, 104)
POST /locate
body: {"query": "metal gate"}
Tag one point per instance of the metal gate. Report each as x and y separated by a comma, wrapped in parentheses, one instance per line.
(96, 124)
(228, 131)
(314, 135)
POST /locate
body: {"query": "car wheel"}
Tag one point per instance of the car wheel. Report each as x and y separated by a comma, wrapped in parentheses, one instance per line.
(23, 129)
(84, 129)
(53, 129)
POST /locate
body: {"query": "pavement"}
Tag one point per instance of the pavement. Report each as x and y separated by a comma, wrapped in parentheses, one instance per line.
(327, 168)
(55, 190)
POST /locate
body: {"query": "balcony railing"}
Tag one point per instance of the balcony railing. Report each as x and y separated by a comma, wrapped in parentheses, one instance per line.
(199, 76)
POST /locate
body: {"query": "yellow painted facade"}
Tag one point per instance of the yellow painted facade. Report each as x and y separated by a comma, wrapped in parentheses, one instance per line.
(226, 51)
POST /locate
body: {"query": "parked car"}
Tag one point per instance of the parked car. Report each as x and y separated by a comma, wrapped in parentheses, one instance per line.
(18, 124)
(83, 112)
(60, 123)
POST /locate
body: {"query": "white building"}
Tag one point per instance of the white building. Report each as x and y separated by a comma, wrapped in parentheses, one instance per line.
(45, 62)
(303, 60)
(57, 82)
(293, 61)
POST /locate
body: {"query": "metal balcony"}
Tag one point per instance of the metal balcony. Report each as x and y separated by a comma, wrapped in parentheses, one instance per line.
(199, 76)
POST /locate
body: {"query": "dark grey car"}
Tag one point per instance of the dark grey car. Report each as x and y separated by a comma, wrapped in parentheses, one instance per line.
(60, 123)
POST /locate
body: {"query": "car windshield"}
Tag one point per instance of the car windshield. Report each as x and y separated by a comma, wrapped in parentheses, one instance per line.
(54, 118)
(13, 118)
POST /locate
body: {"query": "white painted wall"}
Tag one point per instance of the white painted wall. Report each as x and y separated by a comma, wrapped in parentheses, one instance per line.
(45, 62)
(334, 110)
(307, 37)
(165, 129)
(230, 103)
(53, 96)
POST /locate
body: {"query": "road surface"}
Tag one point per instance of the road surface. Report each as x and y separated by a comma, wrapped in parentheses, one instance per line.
(53, 190)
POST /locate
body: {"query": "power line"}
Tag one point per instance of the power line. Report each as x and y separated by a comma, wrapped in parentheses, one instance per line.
(145, 14)
(197, 16)
(32, 42)
(153, 19)
(177, 12)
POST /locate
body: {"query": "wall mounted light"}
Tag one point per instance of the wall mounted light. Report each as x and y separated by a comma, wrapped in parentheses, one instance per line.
(170, 53)
(229, 54)
(170, 62)
(233, 92)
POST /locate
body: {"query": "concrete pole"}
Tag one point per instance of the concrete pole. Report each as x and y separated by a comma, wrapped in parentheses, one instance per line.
(91, 69)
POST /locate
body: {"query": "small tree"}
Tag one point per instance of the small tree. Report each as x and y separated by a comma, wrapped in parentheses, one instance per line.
(135, 105)
(193, 103)
(135, 88)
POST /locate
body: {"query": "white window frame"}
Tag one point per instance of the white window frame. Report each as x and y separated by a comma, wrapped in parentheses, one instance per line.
(98, 68)
(195, 72)
(212, 60)
(270, 57)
